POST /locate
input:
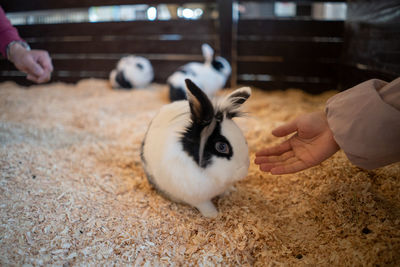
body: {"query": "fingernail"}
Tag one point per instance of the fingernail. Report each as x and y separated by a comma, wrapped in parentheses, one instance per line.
(38, 71)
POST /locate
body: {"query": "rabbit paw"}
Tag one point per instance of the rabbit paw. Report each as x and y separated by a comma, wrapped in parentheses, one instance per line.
(207, 209)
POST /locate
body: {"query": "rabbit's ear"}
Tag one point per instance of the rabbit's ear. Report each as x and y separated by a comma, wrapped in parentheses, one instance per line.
(239, 96)
(208, 53)
(201, 107)
(230, 105)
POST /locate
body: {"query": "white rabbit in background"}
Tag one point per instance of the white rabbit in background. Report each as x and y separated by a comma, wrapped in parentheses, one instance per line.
(210, 76)
(194, 151)
(132, 72)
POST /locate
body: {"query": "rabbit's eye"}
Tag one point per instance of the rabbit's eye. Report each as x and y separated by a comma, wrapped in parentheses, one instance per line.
(222, 147)
(140, 66)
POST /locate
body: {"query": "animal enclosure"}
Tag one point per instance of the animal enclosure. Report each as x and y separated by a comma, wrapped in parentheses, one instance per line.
(73, 191)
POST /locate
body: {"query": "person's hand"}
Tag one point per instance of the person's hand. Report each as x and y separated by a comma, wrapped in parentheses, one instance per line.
(35, 63)
(312, 144)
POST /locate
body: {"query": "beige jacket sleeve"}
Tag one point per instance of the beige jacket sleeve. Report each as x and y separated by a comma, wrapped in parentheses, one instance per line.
(365, 121)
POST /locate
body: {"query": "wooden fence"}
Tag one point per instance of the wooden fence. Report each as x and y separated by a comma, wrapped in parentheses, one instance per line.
(270, 53)
(371, 43)
(290, 53)
(82, 50)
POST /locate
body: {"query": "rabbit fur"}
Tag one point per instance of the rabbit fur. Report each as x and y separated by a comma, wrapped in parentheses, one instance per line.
(131, 72)
(194, 151)
(210, 76)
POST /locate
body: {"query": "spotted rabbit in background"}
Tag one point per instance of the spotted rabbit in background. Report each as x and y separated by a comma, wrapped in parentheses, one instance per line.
(210, 76)
(132, 72)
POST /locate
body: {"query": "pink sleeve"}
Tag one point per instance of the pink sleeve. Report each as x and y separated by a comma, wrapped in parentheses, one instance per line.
(365, 121)
(7, 33)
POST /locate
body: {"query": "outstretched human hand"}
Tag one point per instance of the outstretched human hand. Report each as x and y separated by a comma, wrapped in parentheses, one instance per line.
(35, 63)
(312, 144)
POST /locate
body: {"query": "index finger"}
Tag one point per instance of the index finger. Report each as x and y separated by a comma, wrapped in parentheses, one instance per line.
(45, 61)
(275, 150)
(285, 129)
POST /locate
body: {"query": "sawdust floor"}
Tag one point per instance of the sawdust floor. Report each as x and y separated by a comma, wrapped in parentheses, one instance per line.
(73, 191)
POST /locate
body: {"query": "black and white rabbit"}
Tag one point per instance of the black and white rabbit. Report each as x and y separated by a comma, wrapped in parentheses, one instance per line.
(210, 76)
(132, 72)
(194, 151)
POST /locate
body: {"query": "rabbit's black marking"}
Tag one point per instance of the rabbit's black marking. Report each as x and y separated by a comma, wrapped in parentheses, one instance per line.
(191, 145)
(193, 150)
(201, 107)
(176, 93)
(203, 117)
(217, 65)
(120, 78)
(140, 66)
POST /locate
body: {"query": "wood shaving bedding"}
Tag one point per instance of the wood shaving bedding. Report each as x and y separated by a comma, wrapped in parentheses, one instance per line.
(73, 192)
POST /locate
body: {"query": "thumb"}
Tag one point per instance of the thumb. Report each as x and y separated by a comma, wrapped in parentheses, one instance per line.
(285, 129)
(33, 68)
(32, 78)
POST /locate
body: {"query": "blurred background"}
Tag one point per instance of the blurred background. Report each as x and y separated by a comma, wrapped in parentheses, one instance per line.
(311, 45)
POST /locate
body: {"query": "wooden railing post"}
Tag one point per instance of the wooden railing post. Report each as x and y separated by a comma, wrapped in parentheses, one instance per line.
(228, 17)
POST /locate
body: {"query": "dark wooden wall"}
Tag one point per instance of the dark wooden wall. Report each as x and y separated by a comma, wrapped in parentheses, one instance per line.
(82, 50)
(372, 42)
(24, 5)
(291, 55)
(290, 52)
(92, 49)
(275, 53)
